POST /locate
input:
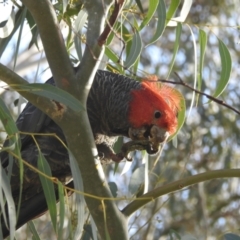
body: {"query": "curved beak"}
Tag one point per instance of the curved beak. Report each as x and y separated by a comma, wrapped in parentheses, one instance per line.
(154, 135)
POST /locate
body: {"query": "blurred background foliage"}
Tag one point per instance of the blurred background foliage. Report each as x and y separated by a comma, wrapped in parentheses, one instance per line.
(208, 140)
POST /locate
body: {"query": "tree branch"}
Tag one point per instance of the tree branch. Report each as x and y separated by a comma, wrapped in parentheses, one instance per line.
(117, 9)
(181, 82)
(177, 185)
(106, 216)
(53, 43)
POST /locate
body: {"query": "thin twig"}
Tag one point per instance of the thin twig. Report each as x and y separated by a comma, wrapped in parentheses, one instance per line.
(168, 188)
(181, 82)
(117, 9)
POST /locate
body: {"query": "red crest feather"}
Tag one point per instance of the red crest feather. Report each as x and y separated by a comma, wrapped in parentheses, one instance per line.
(152, 97)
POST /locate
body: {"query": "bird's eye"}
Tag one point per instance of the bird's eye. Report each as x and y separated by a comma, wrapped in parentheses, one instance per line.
(157, 114)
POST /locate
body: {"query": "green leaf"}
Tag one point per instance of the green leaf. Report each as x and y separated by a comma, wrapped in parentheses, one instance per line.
(53, 93)
(34, 30)
(135, 50)
(181, 114)
(161, 12)
(226, 63)
(12, 216)
(111, 55)
(172, 9)
(195, 70)
(135, 67)
(186, 6)
(135, 24)
(153, 4)
(48, 188)
(61, 210)
(114, 58)
(33, 230)
(140, 5)
(7, 120)
(80, 21)
(19, 36)
(12, 143)
(203, 43)
(176, 46)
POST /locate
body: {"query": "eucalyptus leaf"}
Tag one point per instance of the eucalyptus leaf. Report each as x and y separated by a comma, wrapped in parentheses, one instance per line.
(161, 13)
(226, 63)
(153, 4)
(33, 230)
(135, 50)
(53, 93)
(203, 43)
(48, 188)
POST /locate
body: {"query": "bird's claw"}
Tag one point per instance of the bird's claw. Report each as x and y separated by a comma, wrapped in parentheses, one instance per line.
(146, 138)
(137, 145)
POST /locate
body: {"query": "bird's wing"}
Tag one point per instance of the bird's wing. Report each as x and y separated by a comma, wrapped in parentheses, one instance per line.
(31, 120)
(33, 202)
